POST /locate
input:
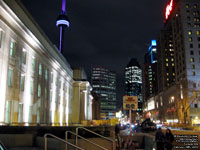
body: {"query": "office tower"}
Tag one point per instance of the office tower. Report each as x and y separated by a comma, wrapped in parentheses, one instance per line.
(104, 85)
(133, 81)
(62, 22)
(179, 65)
(184, 19)
(150, 84)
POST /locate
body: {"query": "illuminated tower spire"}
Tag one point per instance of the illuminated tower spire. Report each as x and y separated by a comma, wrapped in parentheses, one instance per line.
(62, 22)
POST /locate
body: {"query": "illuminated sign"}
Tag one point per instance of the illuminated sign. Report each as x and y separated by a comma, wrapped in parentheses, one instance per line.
(151, 105)
(168, 9)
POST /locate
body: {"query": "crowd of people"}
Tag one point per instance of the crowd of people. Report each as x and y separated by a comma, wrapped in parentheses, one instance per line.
(164, 141)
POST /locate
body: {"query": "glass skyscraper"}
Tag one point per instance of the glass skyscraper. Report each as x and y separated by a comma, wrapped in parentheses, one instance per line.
(104, 85)
(133, 81)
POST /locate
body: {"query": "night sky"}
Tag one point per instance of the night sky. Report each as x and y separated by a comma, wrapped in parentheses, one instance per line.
(102, 32)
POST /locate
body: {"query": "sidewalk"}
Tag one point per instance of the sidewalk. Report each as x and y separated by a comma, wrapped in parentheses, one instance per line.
(145, 141)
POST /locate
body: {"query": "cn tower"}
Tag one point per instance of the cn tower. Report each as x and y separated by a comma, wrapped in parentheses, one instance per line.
(62, 22)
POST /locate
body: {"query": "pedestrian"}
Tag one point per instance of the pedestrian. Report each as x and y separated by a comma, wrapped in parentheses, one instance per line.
(117, 134)
(160, 139)
(169, 137)
(129, 141)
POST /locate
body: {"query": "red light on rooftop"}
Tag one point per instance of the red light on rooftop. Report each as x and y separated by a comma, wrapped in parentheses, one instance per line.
(168, 9)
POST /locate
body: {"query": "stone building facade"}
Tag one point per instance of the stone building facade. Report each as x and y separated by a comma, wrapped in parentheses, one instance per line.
(36, 81)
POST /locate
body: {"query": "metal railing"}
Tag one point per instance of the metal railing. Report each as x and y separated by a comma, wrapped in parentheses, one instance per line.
(59, 139)
(66, 133)
(103, 137)
(2, 146)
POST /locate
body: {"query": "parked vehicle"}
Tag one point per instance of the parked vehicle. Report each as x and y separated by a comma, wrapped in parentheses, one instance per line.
(148, 125)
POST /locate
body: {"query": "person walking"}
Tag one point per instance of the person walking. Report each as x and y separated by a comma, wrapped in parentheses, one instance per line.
(160, 139)
(169, 137)
(117, 135)
(130, 144)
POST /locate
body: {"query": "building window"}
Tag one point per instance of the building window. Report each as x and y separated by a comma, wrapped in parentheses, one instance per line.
(161, 102)
(191, 45)
(194, 85)
(190, 32)
(51, 77)
(198, 38)
(172, 64)
(10, 74)
(198, 45)
(40, 69)
(33, 63)
(193, 66)
(46, 74)
(195, 5)
(32, 86)
(187, 6)
(22, 80)
(12, 48)
(166, 64)
(192, 59)
(1, 37)
(24, 56)
(195, 106)
(198, 32)
(191, 52)
(193, 73)
(190, 39)
(51, 95)
(39, 90)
